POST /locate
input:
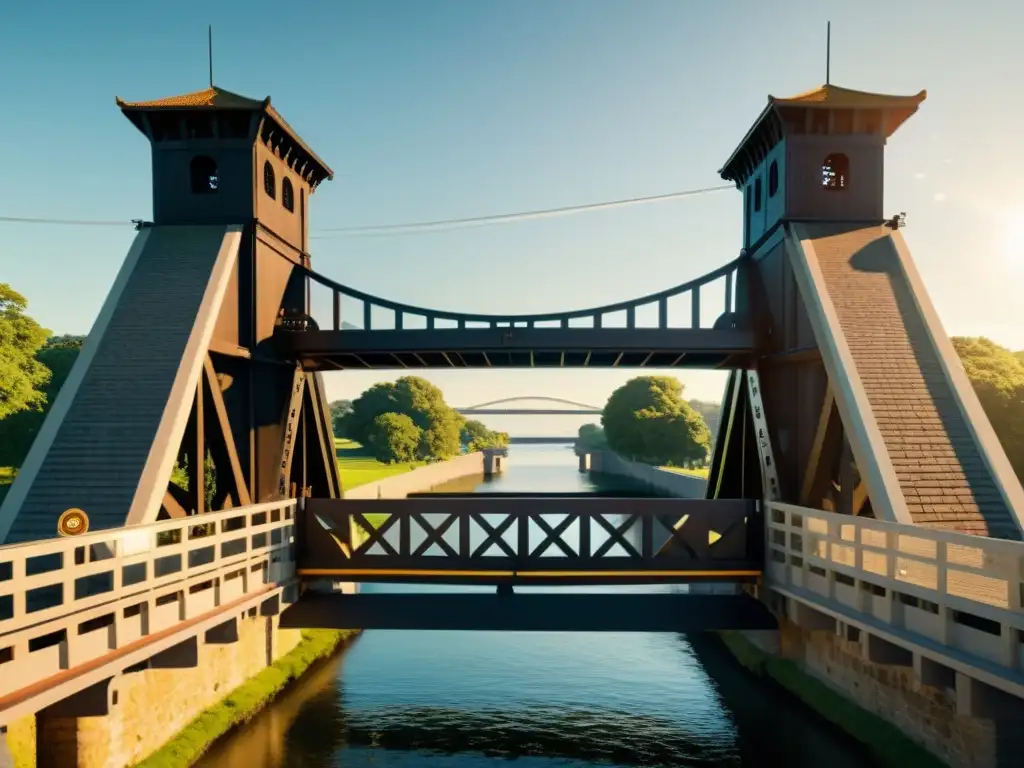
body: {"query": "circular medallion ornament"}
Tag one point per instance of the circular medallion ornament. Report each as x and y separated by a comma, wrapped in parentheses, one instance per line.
(73, 522)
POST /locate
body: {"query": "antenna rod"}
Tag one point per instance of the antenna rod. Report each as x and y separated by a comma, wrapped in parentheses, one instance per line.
(828, 54)
(209, 50)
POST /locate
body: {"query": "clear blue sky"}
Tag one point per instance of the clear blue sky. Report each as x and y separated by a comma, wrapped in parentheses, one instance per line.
(433, 110)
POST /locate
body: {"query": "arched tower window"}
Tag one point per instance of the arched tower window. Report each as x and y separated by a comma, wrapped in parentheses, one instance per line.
(757, 194)
(835, 172)
(773, 178)
(269, 180)
(287, 194)
(203, 175)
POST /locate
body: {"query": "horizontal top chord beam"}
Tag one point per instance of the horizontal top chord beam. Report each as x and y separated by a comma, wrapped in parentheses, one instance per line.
(520, 348)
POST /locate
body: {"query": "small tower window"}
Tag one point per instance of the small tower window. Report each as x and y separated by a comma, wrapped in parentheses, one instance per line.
(287, 194)
(757, 195)
(269, 181)
(203, 174)
(773, 178)
(835, 172)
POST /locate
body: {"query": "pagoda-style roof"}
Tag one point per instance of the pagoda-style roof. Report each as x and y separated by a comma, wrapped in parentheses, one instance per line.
(210, 98)
(778, 119)
(834, 97)
(217, 99)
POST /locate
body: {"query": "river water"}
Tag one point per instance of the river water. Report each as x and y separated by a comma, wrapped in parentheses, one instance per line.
(549, 700)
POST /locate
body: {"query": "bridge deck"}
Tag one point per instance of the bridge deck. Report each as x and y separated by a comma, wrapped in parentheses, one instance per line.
(530, 613)
(520, 348)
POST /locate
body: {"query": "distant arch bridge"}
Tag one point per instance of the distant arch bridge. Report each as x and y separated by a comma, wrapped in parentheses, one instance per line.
(496, 407)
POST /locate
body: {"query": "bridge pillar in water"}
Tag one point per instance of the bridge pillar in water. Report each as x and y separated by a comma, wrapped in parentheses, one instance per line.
(494, 461)
(584, 462)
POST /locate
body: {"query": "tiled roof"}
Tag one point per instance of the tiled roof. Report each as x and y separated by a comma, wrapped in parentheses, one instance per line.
(844, 98)
(214, 97)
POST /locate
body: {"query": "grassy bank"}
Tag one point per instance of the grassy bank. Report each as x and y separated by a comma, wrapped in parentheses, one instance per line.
(701, 472)
(245, 701)
(358, 467)
(888, 743)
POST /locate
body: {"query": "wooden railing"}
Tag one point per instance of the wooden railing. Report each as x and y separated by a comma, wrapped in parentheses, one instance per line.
(531, 540)
(406, 316)
(66, 601)
(949, 590)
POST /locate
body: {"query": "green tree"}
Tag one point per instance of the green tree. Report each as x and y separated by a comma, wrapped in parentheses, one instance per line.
(22, 376)
(416, 398)
(340, 411)
(440, 438)
(647, 419)
(179, 477)
(476, 436)
(67, 341)
(591, 438)
(378, 399)
(19, 430)
(710, 412)
(997, 376)
(394, 438)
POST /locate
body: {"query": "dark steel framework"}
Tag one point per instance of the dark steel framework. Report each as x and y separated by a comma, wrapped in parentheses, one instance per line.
(532, 540)
(519, 612)
(577, 338)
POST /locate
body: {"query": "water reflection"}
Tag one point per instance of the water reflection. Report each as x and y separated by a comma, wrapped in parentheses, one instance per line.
(468, 699)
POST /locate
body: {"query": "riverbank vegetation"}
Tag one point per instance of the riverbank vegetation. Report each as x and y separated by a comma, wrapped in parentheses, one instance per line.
(647, 419)
(701, 472)
(659, 422)
(409, 420)
(358, 466)
(247, 700)
(998, 377)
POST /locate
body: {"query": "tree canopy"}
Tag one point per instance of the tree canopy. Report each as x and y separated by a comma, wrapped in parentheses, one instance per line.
(997, 375)
(647, 419)
(438, 423)
(591, 438)
(22, 375)
(710, 412)
(394, 438)
(476, 436)
(18, 430)
(340, 409)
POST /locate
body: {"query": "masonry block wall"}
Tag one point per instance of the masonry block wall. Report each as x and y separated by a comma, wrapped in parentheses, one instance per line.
(149, 706)
(926, 705)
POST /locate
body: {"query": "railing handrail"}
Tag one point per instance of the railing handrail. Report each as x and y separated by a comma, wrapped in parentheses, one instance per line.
(468, 317)
(1006, 546)
(977, 575)
(61, 543)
